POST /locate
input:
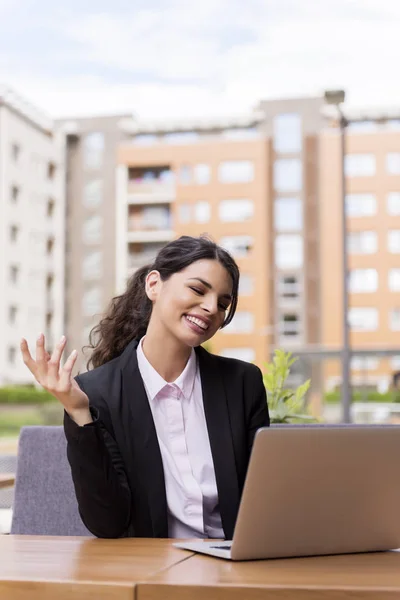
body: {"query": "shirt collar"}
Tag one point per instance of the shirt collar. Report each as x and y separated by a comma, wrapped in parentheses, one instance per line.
(153, 381)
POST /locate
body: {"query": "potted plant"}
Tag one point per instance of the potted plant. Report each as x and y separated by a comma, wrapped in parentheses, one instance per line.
(286, 405)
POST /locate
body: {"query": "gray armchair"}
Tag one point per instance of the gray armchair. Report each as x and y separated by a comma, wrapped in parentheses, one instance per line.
(44, 496)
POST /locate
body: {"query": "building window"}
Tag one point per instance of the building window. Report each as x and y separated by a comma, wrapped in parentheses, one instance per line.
(50, 208)
(93, 230)
(363, 319)
(289, 251)
(394, 241)
(202, 174)
(287, 132)
(394, 319)
(185, 174)
(393, 203)
(363, 281)
(145, 139)
(240, 133)
(14, 230)
(288, 175)
(15, 193)
(362, 242)
(49, 246)
(93, 193)
(91, 302)
(93, 150)
(239, 246)
(246, 354)
(15, 152)
(14, 273)
(236, 211)
(242, 322)
(246, 285)
(395, 363)
(289, 287)
(154, 218)
(289, 325)
(92, 266)
(361, 205)
(364, 363)
(236, 171)
(12, 354)
(394, 280)
(12, 315)
(185, 213)
(288, 214)
(51, 170)
(181, 137)
(393, 163)
(202, 212)
(360, 165)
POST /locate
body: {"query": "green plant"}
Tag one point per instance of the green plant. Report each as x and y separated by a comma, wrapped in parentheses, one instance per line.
(24, 394)
(285, 405)
(360, 396)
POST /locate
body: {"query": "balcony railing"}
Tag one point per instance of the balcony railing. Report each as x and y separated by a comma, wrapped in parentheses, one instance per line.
(152, 235)
(151, 192)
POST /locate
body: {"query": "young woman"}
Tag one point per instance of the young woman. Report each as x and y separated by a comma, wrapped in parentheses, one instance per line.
(160, 432)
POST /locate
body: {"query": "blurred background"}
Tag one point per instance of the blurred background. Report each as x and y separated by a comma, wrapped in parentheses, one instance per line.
(272, 127)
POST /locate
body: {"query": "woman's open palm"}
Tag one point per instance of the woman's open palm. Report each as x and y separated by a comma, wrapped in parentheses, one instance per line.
(57, 380)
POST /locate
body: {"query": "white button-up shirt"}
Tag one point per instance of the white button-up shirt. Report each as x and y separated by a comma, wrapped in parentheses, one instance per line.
(180, 423)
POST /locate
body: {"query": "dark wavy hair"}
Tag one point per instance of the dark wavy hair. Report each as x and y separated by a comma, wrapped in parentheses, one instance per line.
(128, 315)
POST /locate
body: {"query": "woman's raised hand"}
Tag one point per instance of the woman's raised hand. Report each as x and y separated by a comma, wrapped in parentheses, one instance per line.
(57, 380)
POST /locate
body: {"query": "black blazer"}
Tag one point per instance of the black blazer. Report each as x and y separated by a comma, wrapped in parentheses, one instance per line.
(116, 461)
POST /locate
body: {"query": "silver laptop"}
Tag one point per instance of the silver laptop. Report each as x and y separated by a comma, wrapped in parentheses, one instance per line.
(315, 490)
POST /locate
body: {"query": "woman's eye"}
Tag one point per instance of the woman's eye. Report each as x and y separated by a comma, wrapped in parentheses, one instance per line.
(197, 291)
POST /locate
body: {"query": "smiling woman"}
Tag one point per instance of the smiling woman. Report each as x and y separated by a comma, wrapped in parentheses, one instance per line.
(160, 431)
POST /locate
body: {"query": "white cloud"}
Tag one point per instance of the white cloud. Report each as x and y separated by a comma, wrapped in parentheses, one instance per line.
(219, 56)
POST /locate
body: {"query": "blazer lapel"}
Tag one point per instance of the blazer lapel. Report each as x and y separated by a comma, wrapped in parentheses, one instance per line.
(144, 442)
(219, 431)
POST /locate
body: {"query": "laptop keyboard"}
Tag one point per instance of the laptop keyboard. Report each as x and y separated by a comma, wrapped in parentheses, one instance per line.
(227, 547)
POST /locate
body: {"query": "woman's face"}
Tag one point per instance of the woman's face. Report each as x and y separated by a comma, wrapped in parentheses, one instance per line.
(192, 303)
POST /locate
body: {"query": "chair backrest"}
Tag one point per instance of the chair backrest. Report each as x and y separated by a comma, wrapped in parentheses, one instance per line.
(44, 497)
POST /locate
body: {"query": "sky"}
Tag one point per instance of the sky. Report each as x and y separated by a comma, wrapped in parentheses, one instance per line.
(161, 59)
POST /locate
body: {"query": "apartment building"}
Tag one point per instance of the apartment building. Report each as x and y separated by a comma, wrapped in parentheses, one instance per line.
(252, 185)
(91, 209)
(32, 226)
(372, 169)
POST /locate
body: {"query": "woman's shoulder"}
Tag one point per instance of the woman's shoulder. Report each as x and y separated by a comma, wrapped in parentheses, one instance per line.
(102, 375)
(234, 366)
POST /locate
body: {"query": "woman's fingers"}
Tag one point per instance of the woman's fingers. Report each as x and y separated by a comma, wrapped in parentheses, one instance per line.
(65, 373)
(53, 365)
(41, 357)
(27, 358)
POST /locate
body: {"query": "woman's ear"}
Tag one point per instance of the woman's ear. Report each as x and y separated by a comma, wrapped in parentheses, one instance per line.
(153, 285)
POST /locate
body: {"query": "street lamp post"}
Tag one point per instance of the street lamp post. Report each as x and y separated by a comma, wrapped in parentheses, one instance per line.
(336, 98)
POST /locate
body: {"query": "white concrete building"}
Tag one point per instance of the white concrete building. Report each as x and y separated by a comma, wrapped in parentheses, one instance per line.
(32, 232)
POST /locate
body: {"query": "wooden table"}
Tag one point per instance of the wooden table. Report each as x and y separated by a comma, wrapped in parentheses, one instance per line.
(6, 480)
(374, 576)
(44, 568)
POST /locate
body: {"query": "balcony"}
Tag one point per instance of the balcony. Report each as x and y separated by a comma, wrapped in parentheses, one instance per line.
(150, 192)
(150, 235)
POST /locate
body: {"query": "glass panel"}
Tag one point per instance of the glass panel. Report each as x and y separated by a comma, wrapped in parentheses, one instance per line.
(236, 210)
(288, 176)
(288, 214)
(287, 132)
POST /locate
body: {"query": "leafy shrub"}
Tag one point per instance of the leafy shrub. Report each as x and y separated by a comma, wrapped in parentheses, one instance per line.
(24, 394)
(285, 405)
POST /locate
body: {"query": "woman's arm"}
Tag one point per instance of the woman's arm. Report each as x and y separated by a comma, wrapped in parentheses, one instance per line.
(98, 472)
(258, 415)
